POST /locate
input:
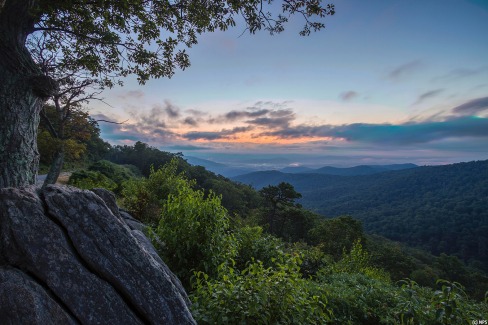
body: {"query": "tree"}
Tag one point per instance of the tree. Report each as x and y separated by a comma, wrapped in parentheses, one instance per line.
(63, 132)
(337, 235)
(64, 109)
(108, 40)
(279, 198)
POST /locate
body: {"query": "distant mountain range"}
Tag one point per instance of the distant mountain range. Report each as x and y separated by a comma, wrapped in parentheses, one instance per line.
(348, 171)
(218, 168)
(300, 177)
(233, 171)
(438, 208)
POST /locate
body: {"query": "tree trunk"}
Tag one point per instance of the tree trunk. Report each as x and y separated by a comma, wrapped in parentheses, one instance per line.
(56, 167)
(22, 91)
(19, 119)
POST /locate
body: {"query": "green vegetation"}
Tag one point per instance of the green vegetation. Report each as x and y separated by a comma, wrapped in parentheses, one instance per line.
(238, 198)
(75, 140)
(193, 234)
(145, 197)
(276, 262)
(441, 209)
(259, 295)
(104, 174)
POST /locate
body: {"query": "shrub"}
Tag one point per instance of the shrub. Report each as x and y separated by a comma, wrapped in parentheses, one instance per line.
(117, 173)
(360, 299)
(193, 233)
(145, 197)
(86, 179)
(254, 245)
(259, 295)
(313, 259)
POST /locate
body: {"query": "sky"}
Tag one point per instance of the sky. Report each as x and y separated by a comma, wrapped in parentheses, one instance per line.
(387, 81)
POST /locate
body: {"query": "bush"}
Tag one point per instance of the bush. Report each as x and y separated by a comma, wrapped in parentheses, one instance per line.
(87, 180)
(193, 233)
(313, 259)
(360, 299)
(254, 245)
(145, 197)
(117, 173)
(259, 295)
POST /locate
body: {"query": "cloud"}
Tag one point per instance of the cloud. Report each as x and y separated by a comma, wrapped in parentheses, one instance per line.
(266, 113)
(275, 119)
(401, 134)
(427, 95)
(196, 112)
(151, 119)
(171, 110)
(236, 115)
(188, 147)
(215, 135)
(404, 70)
(348, 95)
(146, 127)
(460, 73)
(190, 121)
(472, 107)
(138, 94)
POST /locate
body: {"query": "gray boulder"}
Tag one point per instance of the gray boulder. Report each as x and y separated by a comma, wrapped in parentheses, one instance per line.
(72, 255)
(24, 301)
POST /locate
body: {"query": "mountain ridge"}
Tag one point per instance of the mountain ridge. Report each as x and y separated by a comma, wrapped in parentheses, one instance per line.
(443, 209)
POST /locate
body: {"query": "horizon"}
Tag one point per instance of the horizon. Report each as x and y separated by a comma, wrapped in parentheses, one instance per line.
(377, 86)
(251, 164)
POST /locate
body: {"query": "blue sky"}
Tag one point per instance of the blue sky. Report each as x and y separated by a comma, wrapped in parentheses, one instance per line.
(386, 82)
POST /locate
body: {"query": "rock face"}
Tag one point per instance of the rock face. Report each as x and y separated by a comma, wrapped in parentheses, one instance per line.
(68, 256)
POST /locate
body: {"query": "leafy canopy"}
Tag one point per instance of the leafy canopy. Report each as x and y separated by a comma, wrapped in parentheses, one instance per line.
(110, 39)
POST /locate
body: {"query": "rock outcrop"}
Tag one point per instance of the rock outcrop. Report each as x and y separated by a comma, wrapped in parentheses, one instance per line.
(69, 256)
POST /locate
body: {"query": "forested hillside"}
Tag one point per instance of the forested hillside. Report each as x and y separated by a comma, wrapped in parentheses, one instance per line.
(238, 198)
(443, 209)
(349, 171)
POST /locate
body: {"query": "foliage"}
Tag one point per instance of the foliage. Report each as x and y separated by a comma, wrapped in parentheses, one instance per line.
(313, 259)
(144, 197)
(117, 173)
(283, 193)
(238, 198)
(86, 179)
(259, 295)
(356, 298)
(244, 274)
(49, 147)
(102, 174)
(441, 209)
(357, 261)
(282, 216)
(140, 155)
(336, 235)
(79, 130)
(448, 305)
(254, 245)
(117, 38)
(193, 233)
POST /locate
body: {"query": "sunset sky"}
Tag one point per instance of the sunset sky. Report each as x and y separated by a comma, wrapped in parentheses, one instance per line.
(387, 81)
